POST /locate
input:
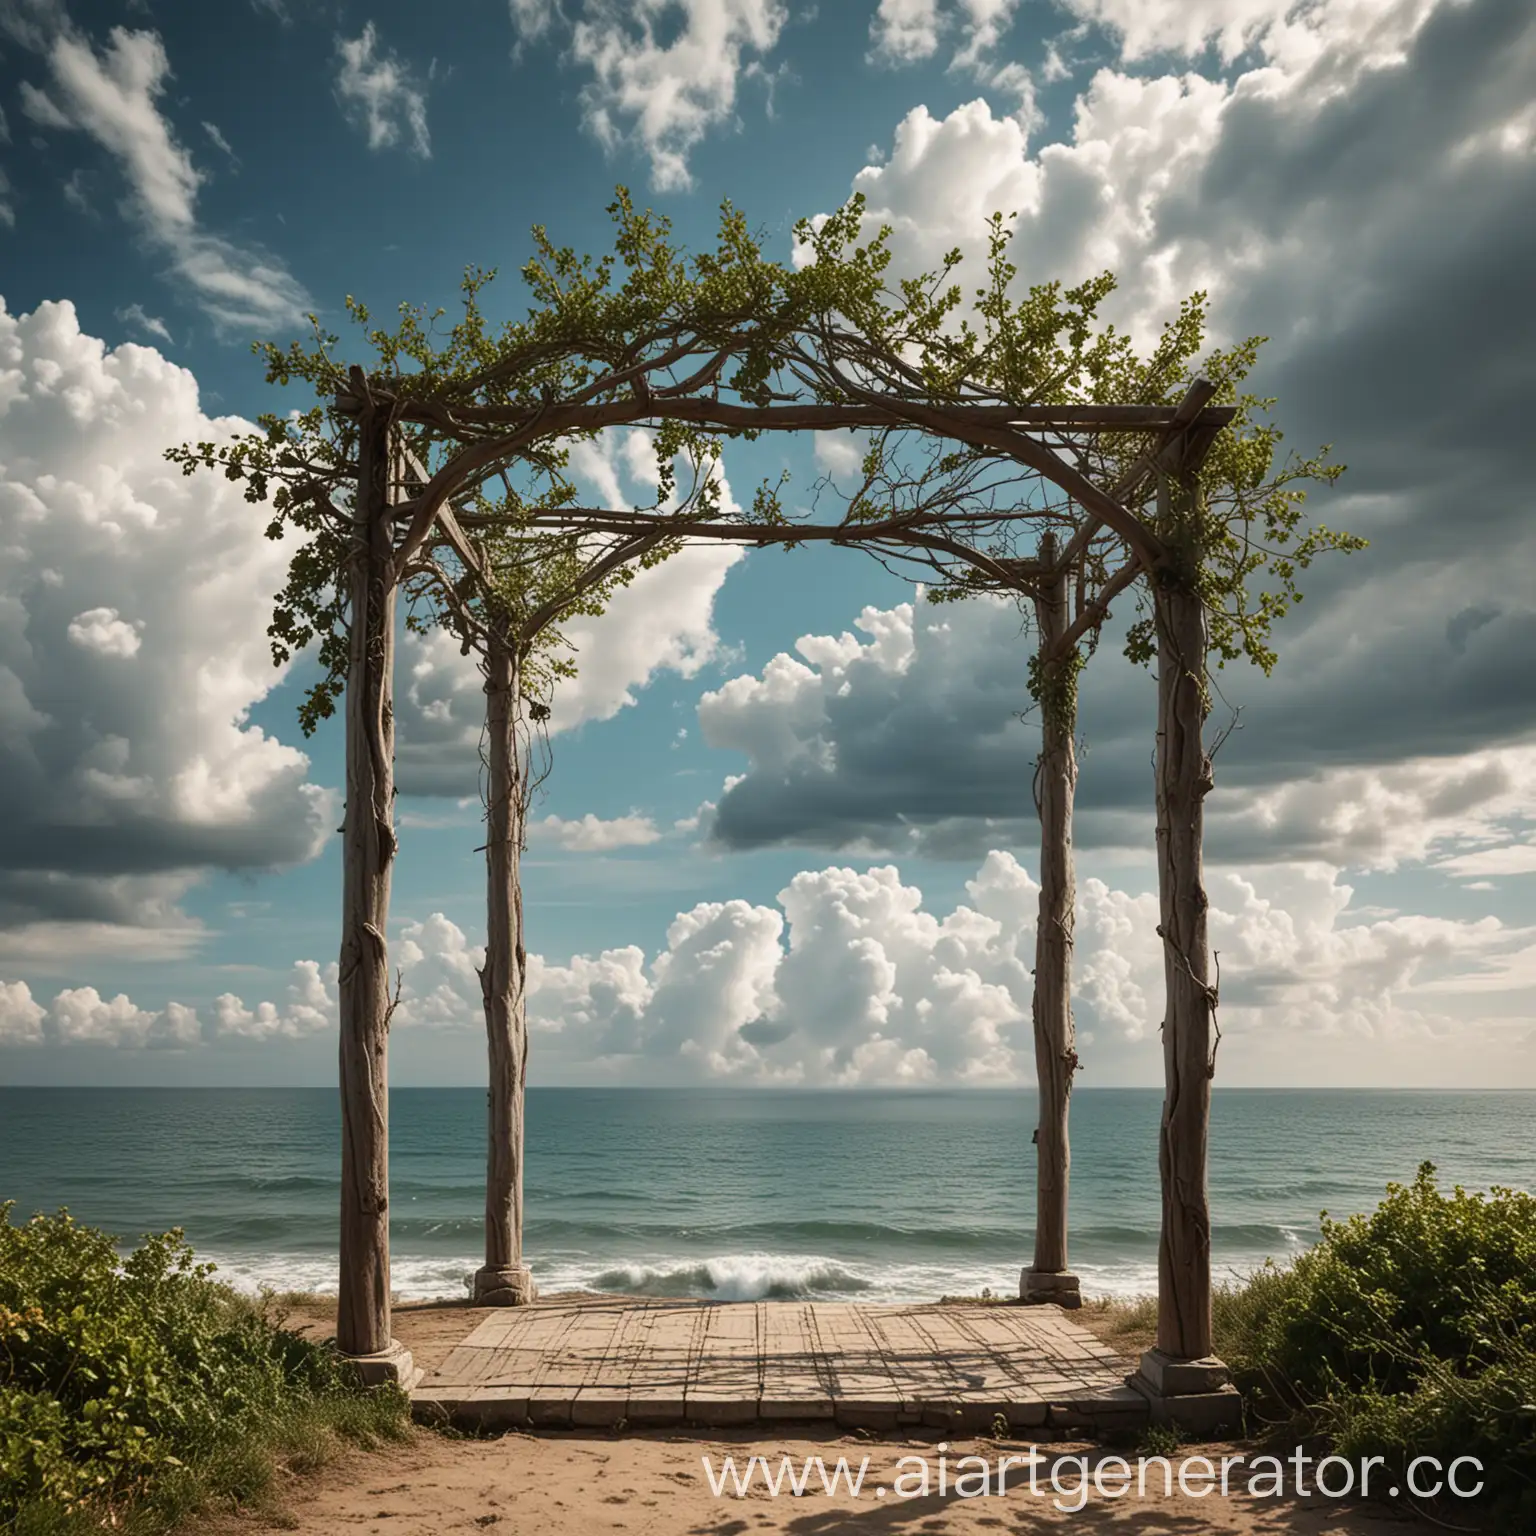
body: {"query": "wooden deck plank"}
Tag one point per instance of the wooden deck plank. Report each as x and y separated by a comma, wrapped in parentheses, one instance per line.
(648, 1361)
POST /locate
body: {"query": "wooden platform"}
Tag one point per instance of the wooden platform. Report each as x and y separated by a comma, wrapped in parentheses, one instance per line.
(638, 1364)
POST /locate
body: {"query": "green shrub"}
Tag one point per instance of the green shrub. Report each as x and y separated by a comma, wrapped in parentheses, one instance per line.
(1407, 1332)
(139, 1386)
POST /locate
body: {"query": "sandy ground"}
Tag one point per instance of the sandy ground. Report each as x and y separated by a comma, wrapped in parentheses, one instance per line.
(578, 1483)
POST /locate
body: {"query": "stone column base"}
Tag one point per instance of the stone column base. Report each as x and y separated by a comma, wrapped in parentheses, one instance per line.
(1196, 1395)
(392, 1364)
(511, 1287)
(1049, 1285)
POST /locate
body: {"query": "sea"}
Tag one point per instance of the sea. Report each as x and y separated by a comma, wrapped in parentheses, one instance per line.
(734, 1194)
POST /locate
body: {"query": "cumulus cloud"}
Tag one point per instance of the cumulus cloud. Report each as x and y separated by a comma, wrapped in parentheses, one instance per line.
(309, 1008)
(113, 95)
(102, 631)
(663, 621)
(919, 739)
(850, 980)
(84, 1017)
(21, 1019)
(379, 92)
(133, 609)
(664, 73)
(80, 1016)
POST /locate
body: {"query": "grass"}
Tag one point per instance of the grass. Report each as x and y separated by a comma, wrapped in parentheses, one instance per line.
(1128, 1324)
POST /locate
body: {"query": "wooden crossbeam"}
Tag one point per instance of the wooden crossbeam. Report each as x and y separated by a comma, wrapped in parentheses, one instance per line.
(830, 418)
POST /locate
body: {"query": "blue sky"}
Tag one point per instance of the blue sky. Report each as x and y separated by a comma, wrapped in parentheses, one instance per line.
(765, 856)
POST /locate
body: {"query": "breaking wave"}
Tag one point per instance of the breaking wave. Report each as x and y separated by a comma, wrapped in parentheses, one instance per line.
(747, 1277)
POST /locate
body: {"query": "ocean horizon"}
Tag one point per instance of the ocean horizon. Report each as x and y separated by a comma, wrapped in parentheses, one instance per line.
(739, 1193)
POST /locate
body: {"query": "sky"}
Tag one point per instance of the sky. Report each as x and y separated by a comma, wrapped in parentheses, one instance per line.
(788, 835)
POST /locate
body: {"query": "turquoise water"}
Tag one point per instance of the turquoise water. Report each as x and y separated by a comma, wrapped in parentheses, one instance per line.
(731, 1194)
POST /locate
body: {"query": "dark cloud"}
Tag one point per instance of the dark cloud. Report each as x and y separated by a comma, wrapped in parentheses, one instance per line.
(1378, 222)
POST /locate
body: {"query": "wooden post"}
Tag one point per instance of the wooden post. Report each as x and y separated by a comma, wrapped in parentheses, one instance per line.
(505, 1280)
(368, 851)
(1048, 1278)
(1181, 1372)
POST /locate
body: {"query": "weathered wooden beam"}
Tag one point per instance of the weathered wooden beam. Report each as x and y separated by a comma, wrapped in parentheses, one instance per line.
(981, 426)
(1182, 1366)
(1083, 418)
(504, 1279)
(364, 1002)
(1049, 1277)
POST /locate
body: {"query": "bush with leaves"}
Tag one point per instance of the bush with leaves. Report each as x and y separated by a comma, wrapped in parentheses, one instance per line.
(138, 1386)
(1407, 1332)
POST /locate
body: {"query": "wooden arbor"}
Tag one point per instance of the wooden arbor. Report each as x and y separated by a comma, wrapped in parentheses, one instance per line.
(1186, 431)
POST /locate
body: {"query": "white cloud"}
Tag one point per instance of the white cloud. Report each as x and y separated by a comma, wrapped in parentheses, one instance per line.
(219, 142)
(151, 325)
(102, 631)
(81, 1016)
(139, 921)
(310, 1007)
(905, 31)
(379, 92)
(40, 108)
(666, 95)
(591, 834)
(1179, 181)
(440, 971)
(21, 1019)
(839, 453)
(114, 97)
(1511, 859)
(133, 609)
(663, 621)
